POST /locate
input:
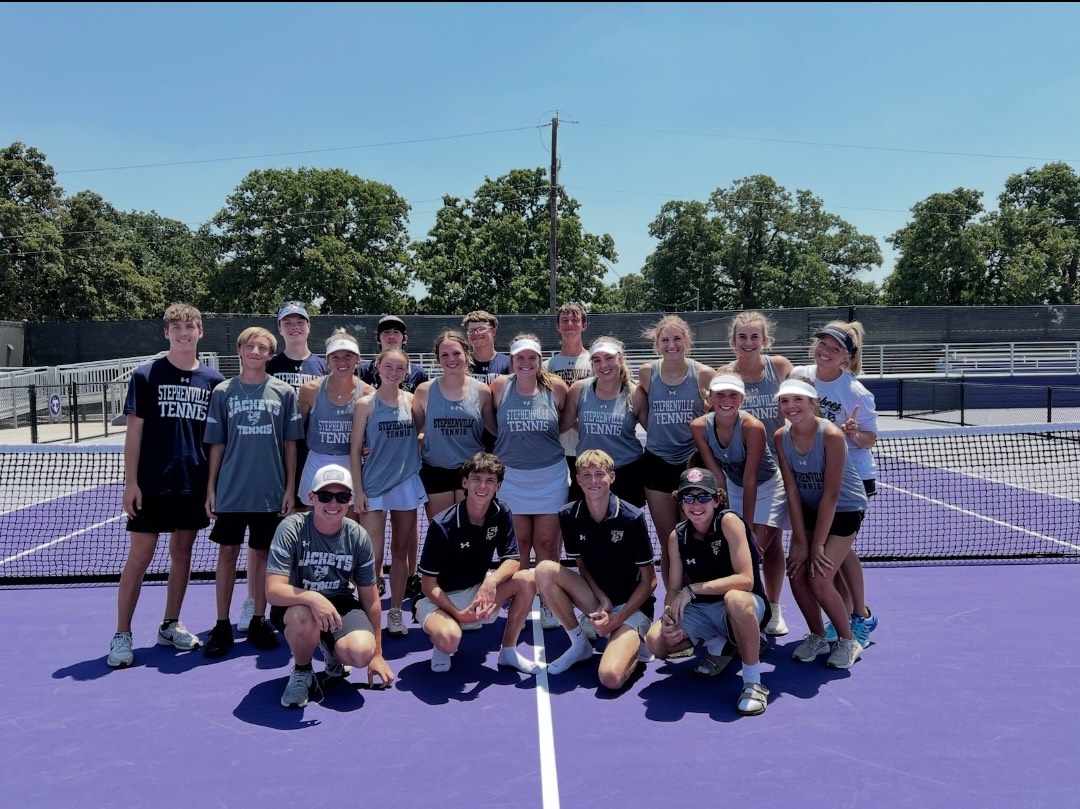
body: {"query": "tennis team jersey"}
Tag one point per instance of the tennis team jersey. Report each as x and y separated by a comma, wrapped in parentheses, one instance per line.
(394, 456)
(760, 402)
(173, 405)
(732, 458)
(612, 550)
(838, 399)
(458, 554)
(710, 558)
(809, 472)
(329, 426)
(528, 436)
(296, 372)
(314, 561)
(253, 422)
(569, 370)
(608, 424)
(671, 409)
(486, 370)
(453, 429)
(417, 376)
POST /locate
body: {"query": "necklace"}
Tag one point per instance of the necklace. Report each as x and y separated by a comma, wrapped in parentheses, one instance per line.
(249, 393)
(339, 396)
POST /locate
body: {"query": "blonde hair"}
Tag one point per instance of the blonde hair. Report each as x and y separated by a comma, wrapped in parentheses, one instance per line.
(744, 318)
(251, 332)
(669, 322)
(855, 331)
(594, 458)
(624, 367)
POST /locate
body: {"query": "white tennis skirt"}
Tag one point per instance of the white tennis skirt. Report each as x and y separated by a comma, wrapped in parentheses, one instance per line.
(770, 507)
(536, 491)
(406, 496)
(316, 461)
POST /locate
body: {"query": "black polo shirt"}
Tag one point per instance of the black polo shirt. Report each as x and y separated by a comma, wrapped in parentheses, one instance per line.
(459, 553)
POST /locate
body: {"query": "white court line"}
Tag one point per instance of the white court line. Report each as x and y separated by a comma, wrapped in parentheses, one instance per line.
(58, 540)
(549, 776)
(983, 517)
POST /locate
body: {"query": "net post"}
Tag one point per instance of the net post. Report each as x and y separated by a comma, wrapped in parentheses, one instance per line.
(1049, 404)
(900, 398)
(73, 397)
(32, 393)
(963, 419)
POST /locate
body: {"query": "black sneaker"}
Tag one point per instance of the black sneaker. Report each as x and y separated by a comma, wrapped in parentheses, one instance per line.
(219, 642)
(381, 584)
(413, 587)
(261, 634)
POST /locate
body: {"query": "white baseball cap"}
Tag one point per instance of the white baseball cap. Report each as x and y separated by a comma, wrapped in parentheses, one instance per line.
(332, 474)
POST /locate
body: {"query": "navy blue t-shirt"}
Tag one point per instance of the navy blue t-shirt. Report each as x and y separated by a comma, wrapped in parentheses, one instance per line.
(296, 372)
(173, 405)
(459, 553)
(417, 376)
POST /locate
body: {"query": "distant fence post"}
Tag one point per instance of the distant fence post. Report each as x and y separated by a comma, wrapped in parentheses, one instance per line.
(963, 419)
(900, 398)
(32, 391)
(73, 398)
(1049, 405)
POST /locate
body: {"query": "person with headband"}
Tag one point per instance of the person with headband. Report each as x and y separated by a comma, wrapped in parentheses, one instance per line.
(667, 399)
(388, 476)
(528, 408)
(750, 337)
(601, 410)
(846, 402)
(734, 446)
(715, 596)
(826, 504)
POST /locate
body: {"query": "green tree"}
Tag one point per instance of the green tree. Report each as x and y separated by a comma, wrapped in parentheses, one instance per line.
(491, 252)
(312, 235)
(179, 261)
(31, 247)
(632, 293)
(943, 253)
(753, 246)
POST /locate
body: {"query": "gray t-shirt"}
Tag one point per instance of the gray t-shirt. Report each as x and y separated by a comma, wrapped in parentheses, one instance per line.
(314, 561)
(253, 422)
(570, 370)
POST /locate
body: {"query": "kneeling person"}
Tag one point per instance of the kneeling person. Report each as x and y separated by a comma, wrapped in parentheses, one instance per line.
(616, 577)
(714, 594)
(316, 560)
(460, 590)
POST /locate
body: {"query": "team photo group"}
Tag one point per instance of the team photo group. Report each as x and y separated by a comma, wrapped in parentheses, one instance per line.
(539, 473)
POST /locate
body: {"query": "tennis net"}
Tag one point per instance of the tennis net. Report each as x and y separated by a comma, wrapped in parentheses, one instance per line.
(973, 494)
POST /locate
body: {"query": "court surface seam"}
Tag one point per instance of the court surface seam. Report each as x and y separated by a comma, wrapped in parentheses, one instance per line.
(549, 776)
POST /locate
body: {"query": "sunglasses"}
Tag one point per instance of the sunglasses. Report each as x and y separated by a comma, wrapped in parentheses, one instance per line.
(696, 498)
(341, 497)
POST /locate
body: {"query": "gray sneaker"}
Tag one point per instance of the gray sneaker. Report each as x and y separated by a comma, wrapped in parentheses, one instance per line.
(120, 654)
(845, 654)
(334, 667)
(812, 646)
(395, 624)
(590, 631)
(547, 617)
(299, 688)
(247, 612)
(177, 635)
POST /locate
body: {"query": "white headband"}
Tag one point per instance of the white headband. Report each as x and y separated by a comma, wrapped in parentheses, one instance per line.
(343, 344)
(525, 344)
(798, 387)
(604, 348)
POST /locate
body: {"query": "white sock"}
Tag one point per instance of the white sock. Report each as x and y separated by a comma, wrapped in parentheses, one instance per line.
(715, 647)
(751, 674)
(440, 661)
(576, 634)
(580, 650)
(509, 656)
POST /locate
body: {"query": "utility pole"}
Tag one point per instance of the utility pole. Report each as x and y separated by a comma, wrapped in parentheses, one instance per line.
(553, 202)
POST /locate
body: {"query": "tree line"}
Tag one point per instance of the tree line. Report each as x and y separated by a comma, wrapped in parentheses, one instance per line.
(341, 243)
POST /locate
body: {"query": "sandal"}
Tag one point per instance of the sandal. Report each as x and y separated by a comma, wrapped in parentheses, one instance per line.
(753, 700)
(712, 665)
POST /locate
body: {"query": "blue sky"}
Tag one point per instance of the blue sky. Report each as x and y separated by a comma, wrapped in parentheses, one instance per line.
(871, 107)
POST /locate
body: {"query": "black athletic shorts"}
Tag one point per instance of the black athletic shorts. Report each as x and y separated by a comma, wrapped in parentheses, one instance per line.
(844, 524)
(439, 480)
(229, 529)
(165, 513)
(659, 475)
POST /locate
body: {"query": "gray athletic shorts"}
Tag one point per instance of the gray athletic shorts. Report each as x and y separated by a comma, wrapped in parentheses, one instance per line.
(705, 621)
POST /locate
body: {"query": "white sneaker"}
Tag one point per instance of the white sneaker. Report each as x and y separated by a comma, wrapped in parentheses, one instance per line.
(120, 654)
(547, 617)
(247, 612)
(298, 691)
(395, 624)
(812, 646)
(776, 626)
(177, 635)
(845, 654)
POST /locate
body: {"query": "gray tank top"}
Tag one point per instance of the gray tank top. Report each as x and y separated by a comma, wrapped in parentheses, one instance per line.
(528, 435)
(329, 427)
(453, 430)
(760, 401)
(394, 456)
(732, 458)
(609, 425)
(671, 409)
(809, 471)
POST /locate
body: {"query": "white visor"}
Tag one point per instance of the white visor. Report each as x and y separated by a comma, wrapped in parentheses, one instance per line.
(524, 345)
(797, 387)
(343, 344)
(727, 382)
(604, 348)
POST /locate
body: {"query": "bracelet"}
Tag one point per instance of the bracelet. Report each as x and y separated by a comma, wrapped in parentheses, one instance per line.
(690, 592)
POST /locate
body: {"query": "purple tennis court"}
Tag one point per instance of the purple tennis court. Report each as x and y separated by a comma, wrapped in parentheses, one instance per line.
(967, 695)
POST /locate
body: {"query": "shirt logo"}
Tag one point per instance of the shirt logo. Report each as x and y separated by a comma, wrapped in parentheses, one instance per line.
(320, 572)
(716, 546)
(690, 561)
(464, 545)
(616, 536)
(253, 417)
(491, 532)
